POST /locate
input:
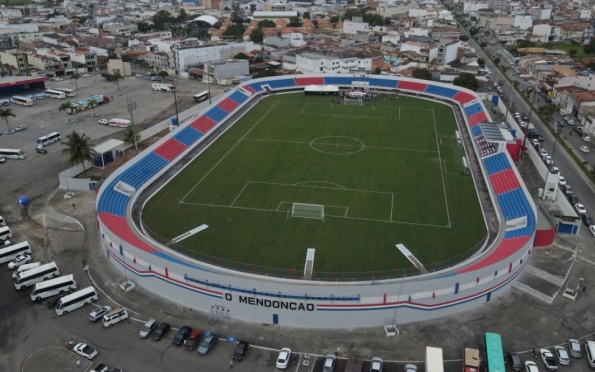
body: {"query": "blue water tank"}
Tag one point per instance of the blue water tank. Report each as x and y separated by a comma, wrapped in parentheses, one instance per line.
(174, 121)
(495, 99)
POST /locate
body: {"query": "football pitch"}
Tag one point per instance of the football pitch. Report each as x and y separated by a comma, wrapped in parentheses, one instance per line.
(374, 176)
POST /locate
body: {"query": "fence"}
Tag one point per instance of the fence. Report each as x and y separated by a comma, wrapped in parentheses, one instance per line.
(68, 182)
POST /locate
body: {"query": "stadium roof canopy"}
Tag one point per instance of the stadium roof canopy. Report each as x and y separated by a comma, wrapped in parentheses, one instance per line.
(321, 88)
(205, 18)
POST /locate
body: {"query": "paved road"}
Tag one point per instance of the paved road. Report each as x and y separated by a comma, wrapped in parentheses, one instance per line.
(575, 177)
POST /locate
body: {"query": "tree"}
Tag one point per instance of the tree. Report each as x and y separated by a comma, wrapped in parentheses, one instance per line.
(373, 19)
(422, 73)
(66, 106)
(144, 64)
(162, 19)
(483, 44)
(143, 26)
(388, 21)
(131, 136)
(523, 43)
(466, 81)
(79, 149)
(572, 52)
(497, 61)
(306, 15)
(591, 65)
(237, 16)
(350, 13)
(335, 19)
(377, 71)
(464, 37)
(162, 74)
(76, 78)
(236, 30)
(126, 57)
(547, 112)
(266, 23)
(116, 77)
(481, 62)
(92, 105)
(265, 73)
(5, 114)
(182, 16)
(294, 22)
(240, 56)
(589, 48)
(257, 36)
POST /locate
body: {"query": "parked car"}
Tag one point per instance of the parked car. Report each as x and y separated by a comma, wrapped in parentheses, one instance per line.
(40, 150)
(240, 351)
(283, 358)
(101, 368)
(86, 75)
(103, 121)
(329, 363)
(554, 170)
(587, 139)
(535, 143)
(18, 261)
(85, 351)
(20, 128)
(548, 359)
(561, 355)
(562, 181)
(192, 341)
(568, 190)
(578, 130)
(161, 331)
(543, 153)
(182, 335)
(98, 313)
(592, 231)
(514, 361)
(548, 160)
(2, 159)
(148, 328)
(10, 131)
(524, 116)
(207, 343)
(584, 149)
(580, 209)
(377, 364)
(573, 199)
(574, 347)
(116, 369)
(561, 123)
(587, 219)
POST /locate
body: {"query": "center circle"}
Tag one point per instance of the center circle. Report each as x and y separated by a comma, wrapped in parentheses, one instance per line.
(337, 145)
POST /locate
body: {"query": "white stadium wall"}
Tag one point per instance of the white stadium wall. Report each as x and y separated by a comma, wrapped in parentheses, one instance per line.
(238, 295)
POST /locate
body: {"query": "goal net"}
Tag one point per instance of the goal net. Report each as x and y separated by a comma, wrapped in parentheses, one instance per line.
(353, 101)
(307, 211)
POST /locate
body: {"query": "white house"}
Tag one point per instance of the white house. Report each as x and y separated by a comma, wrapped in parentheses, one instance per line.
(585, 14)
(523, 22)
(353, 27)
(314, 63)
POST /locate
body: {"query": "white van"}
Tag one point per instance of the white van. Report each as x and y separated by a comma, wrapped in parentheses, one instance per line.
(5, 233)
(590, 351)
(25, 267)
(114, 316)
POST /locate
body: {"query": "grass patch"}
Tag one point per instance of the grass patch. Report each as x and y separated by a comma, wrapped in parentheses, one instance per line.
(384, 173)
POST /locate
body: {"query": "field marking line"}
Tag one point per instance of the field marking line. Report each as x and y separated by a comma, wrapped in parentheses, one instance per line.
(392, 205)
(441, 170)
(343, 106)
(346, 212)
(228, 152)
(323, 187)
(338, 144)
(237, 197)
(303, 108)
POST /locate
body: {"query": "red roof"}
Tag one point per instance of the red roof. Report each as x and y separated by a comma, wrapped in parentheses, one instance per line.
(27, 81)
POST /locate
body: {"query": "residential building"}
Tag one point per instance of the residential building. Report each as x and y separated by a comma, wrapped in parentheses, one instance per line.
(18, 60)
(220, 71)
(186, 56)
(276, 7)
(545, 33)
(158, 60)
(355, 25)
(286, 15)
(316, 63)
(523, 22)
(42, 63)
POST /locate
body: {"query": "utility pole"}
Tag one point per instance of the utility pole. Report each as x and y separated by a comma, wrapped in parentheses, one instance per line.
(176, 102)
(208, 80)
(528, 122)
(131, 107)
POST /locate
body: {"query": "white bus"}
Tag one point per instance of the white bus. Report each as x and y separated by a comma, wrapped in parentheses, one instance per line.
(53, 287)
(122, 123)
(76, 300)
(30, 277)
(25, 267)
(69, 92)
(58, 94)
(202, 96)
(49, 139)
(20, 100)
(5, 233)
(9, 253)
(13, 153)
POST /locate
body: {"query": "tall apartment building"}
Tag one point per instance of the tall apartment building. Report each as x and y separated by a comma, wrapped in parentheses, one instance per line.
(18, 60)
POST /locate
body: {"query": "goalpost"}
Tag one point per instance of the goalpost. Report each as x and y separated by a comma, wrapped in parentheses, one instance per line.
(307, 211)
(353, 101)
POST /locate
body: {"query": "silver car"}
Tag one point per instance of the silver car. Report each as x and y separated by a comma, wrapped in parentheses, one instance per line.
(376, 365)
(148, 328)
(574, 347)
(561, 355)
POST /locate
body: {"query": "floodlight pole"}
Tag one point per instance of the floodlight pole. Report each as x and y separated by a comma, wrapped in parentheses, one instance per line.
(131, 107)
(176, 102)
(528, 123)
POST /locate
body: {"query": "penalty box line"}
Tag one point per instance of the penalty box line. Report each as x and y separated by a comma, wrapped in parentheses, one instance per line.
(325, 205)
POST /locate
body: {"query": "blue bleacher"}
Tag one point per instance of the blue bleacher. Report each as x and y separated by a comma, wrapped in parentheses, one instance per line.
(339, 80)
(513, 204)
(282, 83)
(113, 202)
(473, 109)
(477, 131)
(216, 113)
(239, 97)
(496, 163)
(188, 136)
(441, 91)
(383, 83)
(256, 86)
(146, 168)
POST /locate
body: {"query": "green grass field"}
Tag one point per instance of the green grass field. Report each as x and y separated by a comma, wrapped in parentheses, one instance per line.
(385, 175)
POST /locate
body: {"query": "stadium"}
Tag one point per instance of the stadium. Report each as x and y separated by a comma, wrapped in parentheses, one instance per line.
(280, 207)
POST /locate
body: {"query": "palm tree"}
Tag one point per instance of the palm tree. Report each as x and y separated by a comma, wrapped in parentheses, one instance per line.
(92, 105)
(145, 65)
(79, 149)
(116, 77)
(65, 107)
(5, 114)
(75, 77)
(131, 137)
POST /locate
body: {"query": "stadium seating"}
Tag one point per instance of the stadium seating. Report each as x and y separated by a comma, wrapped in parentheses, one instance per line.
(480, 117)
(113, 202)
(476, 131)
(203, 124)
(228, 105)
(238, 97)
(485, 148)
(513, 204)
(385, 83)
(146, 168)
(254, 87)
(464, 97)
(188, 135)
(411, 85)
(497, 163)
(339, 80)
(217, 113)
(441, 91)
(170, 149)
(249, 89)
(281, 84)
(505, 181)
(119, 226)
(473, 109)
(309, 81)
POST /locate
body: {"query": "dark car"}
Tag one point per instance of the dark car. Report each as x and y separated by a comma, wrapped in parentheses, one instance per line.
(561, 123)
(161, 331)
(524, 116)
(514, 361)
(192, 341)
(207, 343)
(578, 130)
(182, 335)
(587, 219)
(241, 350)
(573, 199)
(41, 150)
